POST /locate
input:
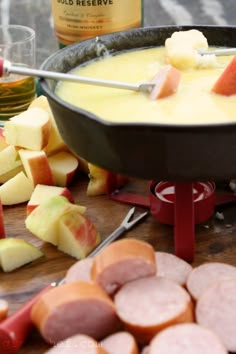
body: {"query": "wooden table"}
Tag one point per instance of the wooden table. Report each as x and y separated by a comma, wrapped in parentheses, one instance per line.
(215, 241)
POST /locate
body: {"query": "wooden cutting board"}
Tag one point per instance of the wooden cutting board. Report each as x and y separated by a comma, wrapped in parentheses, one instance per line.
(215, 241)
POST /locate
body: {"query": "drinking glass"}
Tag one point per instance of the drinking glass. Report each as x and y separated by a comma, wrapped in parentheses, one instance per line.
(17, 44)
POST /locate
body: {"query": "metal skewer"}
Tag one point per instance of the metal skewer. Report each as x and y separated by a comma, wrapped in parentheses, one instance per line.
(6, 68)
(218, 52)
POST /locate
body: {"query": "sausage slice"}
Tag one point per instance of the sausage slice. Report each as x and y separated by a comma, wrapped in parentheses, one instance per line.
(77, 344)
(207, 274)
(148, 305)
(81, 270)
(74, 308)
(120, 343)
(121, 262)
(216, 310)
(172, 267)
(187, 338)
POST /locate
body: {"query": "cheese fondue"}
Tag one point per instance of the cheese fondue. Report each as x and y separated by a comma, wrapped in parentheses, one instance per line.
(193, 103)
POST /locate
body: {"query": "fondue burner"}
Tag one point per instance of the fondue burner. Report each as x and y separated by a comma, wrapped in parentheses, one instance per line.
(181, 204)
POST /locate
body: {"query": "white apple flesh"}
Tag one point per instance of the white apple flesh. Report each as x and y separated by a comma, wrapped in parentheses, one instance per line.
(15, 253)
(64, 166)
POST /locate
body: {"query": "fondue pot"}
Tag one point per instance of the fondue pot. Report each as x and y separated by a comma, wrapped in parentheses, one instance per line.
(164, 152)
(182, 154)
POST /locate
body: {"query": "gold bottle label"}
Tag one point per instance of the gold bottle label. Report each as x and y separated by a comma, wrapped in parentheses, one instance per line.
(75, 20)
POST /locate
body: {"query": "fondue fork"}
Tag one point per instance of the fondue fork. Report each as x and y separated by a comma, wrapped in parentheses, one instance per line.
(6, 68)
(15, 329)
(218, 52)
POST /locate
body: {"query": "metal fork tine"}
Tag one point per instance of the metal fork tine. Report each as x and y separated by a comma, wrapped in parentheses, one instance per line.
(128, 216)
(130, 224)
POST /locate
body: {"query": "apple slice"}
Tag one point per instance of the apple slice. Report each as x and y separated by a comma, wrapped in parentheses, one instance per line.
(63, 166)
(15, 253)
(102, 181)
(77, 235)
(3, 143)
(9, 159)
(42, 192)
(43, 221)
(226, 83)
(16, 190)
(11, 173)
(166, 82)
(55, 142)
(37, 167)
(30, 129)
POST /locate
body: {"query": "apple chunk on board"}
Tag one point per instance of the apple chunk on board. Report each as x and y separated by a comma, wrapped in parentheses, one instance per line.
(37, 167)
(65, 226)
(15, 253)
(30, 129)
(43, 221)
(43, 192)
(63, 166)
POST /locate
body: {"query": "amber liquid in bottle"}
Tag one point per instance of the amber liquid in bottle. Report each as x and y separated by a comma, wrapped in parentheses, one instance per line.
(76, 20)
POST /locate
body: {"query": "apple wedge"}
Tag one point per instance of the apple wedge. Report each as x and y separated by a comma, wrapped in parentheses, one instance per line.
(43, 221)
(63, 166)
(16, 190)
(36, 166)
(30, 129)
(3, 142)
(55, 142)
(43, 192)
(11, 173)
(15, 253)
(9, 159)
(77, 235)
(102, 181)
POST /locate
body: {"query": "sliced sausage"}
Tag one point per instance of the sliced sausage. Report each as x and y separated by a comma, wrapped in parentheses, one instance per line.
(166, 82)
(148, 305)
(121, 262)
(120, 343)
(81, 270)
(216, 310)
(74, 308)
(187, 338)
(207, 274)
(172, 267)
(77, 344)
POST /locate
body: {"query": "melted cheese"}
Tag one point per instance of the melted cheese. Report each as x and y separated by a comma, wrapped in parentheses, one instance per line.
(193, 103)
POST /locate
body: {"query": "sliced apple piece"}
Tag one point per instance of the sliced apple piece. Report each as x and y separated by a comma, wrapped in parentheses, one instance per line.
(55, 142)
(63, 166)
(9, 159)
(3, 143)
(11, 173)
(30, 129)
(16, 190)
(43, 192)
(83, 165)
(102, 181)
(43, 221)
(15, 253)
(77, 235)
(37, 167)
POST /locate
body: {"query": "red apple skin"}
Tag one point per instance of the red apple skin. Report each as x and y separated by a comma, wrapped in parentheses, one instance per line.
(82, 230)
(66, 193)
(3, 142)
(2, 226)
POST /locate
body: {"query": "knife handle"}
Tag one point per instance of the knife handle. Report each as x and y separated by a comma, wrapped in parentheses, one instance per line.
(15, 329)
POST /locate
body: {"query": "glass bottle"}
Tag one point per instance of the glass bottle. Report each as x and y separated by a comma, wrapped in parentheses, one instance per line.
(76, 20)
